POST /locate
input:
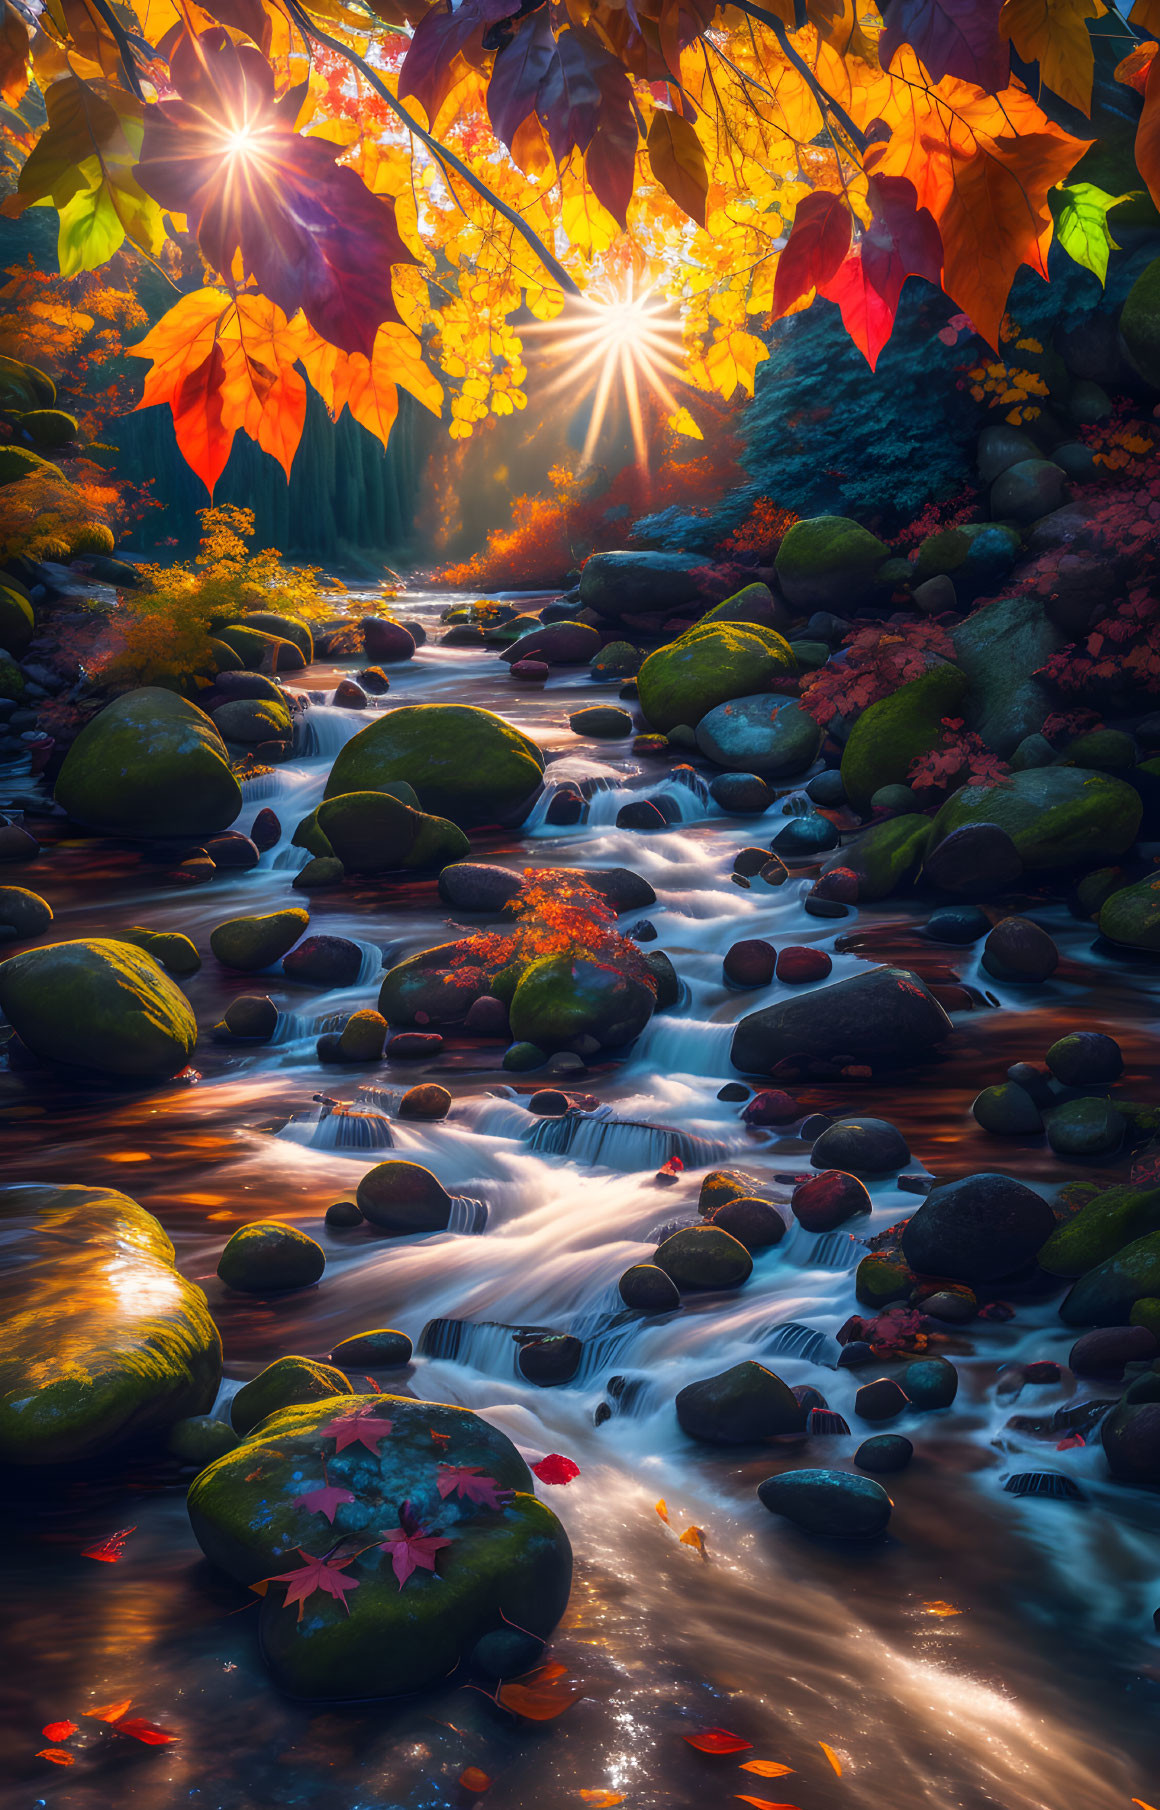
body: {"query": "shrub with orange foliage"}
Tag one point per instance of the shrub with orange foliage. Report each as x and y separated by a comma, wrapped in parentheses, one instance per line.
(554, 914)
(760, 534)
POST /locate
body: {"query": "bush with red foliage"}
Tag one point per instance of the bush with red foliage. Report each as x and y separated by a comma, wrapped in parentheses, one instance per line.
(959, 758)
(876, 660)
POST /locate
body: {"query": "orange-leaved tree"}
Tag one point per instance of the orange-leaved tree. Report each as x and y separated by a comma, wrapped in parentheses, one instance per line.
(378, 193)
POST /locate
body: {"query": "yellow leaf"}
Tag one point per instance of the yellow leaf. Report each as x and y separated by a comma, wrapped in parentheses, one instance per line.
(663, 1511)
(835, 1762)
(766, 1769)
(682, 423)
(694, 1537)
(1054, 34)
(603, 1800)
(940, 1608)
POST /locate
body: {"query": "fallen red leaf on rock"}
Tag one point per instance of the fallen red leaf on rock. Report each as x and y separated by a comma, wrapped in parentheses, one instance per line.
(58, 1731)
(540, 1695)
(717, 1740)
(556, 1469)
(110, 1550)
(57, 1755)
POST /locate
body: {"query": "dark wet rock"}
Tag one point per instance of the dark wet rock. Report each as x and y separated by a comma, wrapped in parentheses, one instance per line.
(957, 924)
(1131, 1442)
(855, 1355)
(704, 1257)
(763, 734)
(734, 1091)
(382, 1349)
(465, 764)
(839, 883)
(343, 1215)
(322, 874)
(427, 1101)
(22, 913)
(1035, 1081)
(895, 800)
(883, 1016)
(603, 722)
(750, 861)
(976, 557)
(823, 1421)
(973, 862)
(252, 1016)
(769, 1107)
(550, 1359)
(834, 1504)
(362, 1037)
(1033, 751)
(1056, 816)
(374, 680)
(740, 1406)
(199, 1439)
(883, 1399)
(487, 1017)
(102, 1340)
(1019, 950)
(523, 1056)
(627, 584)
(289, 1382)
(887, 856)
(1007, 1111)
(862, 1147)
(413, 1046)
(349, 696)
(826, 789)
(649, 1289)
(1116, 1216)
(804, 837)
(559, 998)
(953, 1306)
(745, 794)
(884, 1453)
(556, 643)
(753, 1222)
(1131, 916)
(1000, 648)
(750, 963)
(808, 1397)
(644, 932)
(530, 672)
(1085, 1128)
(250, 721)
(404, 1197)
(324, 961)
(1106, 1295)
(102, 1006)
(477, 886)
(375, 832)
(977, 1229)
(617, 660)
(828, 1200)
(1027, 490)
(801, 965)
(753, 603)
(252, 943)
(1108, 1349)
(828, 562)
(775, 872)
(386, 640)
(641, 814)
(16, 843)
(231, 849)
(930, 1382)
(149, 764)
(251, 1511)
(267, 1256)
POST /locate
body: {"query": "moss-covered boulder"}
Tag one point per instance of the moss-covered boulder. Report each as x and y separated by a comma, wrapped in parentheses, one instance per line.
(1056, 816)
(829, 562)
(252, 943)
(260, 650)
(287, 628)
(887, 855)
(1140, 324)
(372, 833)
(465, 764)
(404, 1197)
(495, 1558)
(18, 462)
(1105, 1295)
(625, 584)
(704, 1257)
(976, 557)
(102, 1341)
(23, 386)
(741, 1406)
(1000, 648)
(16, 620)
(98, 1005)
(289, 1382)
(1104, 1225)
(1132, 915)
(765, 734)
(682, 682)
(562, 997)
(49, 427)
(176, 953)
(22, 913)
(253, 720)
(892, 733)
(266, 1257)
(150, 764)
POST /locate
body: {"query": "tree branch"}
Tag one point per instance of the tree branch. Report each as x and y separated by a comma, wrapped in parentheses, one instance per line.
(124, 49)
(825, 101)
(447, 158)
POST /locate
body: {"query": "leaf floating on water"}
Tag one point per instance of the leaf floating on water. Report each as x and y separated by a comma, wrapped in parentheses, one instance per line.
(57, 1755)
(603, 1800)
(717, 1740)
(59, 1731)
(555, 1468)
(938, 1608)
(475, 1780)
(151, 1734)
(542, 1694)
(766, 1769)
(695, 1537)
(835, 1762)
(110, 1550)
(110, 1712)
(1142, 1804)
(663, 1511)
(763, 1803)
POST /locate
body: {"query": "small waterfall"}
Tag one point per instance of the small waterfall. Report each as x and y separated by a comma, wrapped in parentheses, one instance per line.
(467, 1215)
(791, 1339)
(341, 1127)
(622, 1144)
(1044, 1483)
(605, 1348)
(685, 1046)
(832, 1251)
(324, 729)
(372, 963)
(292, 1026)
(484, 1345)
(257, 786)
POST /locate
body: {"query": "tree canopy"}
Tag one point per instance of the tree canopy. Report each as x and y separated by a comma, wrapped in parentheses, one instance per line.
(368, 197)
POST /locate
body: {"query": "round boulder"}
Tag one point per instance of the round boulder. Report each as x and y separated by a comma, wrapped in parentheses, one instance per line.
(404, 1197)
(149, 764)
(382, 1349)
(649, 1289)
(827, 1201)
(740, 1406)
(764, 734)
(98, 1005)
(1019, 950)
(704, 1257)
(561, 997)
(1080, 1059)
(977, 1229)
(835, 1504)
(465, 764)
(862, 1147)
(289, 1382)
(252, 943)
(266, 1256)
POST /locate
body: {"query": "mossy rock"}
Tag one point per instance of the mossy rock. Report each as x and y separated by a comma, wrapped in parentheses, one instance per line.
(1000, 649)
(150, 764)
(23, 386)
(977, 557)
(98, 1005)
(465, 764)
(682, 682)
(768, 735)
(1105, 1295)
(18, 462)
(501, 1567)
(561, 997)
(372, 833)
(1140, 324)
(224, 658)
(1132, 915)
(289, 1382)
(11, 679)
(438, 986)
(892, 733)
(704, 1257)
(829, 562)
(752, 603)
(1056, 816)
(174, 951)
(92, 537)
(741, 1406)
(252, 943)
(887, 855)
(287, 628)
(200, 1438)
(882, 1279)
(403, 1197)
(253, 720)
(266, 1257)
(22, 912)
(16, 620)
(103, 1342)
(49, 427)
(1117, 1216)
(256, 648)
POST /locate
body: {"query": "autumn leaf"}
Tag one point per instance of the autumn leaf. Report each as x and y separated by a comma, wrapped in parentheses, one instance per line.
(57, 1755)
(695, 1537)
(763, 1803)
(110, 1550)
(1148, 133)
(150, 1734)
(475, 1780)
(901, 240)
(603, 1800)
(471, 1484)
(110, 1712)
(662, 1508)
(835, 1762)
(360, 1426)
(411, 1546)
(13, 56)
(540, 1695)
(817, 244)
(315, 1574)
(1054, 34)
(717, 1741)
(949, 37)
(1081, 225)
(1133, 69)
(59, 1731)
(555, 1469)
(766, 1769)
(942, 1609)
(678, 162)
(324, 1501)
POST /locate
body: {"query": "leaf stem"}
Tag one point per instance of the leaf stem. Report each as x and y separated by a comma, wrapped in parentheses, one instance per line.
(825, 101)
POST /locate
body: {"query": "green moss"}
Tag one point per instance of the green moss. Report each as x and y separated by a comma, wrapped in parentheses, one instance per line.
(1105, 1295)
(176, 953)
(255, 647)
(562, 997)
(887, 855)
(1132, 915)
(1056, 816)
(373, 832)
(892, 733)
(99, 1005)
(710, 665)
(16, 620)
(252, 943)
(49, 427)
(465, 764)
(287, 628)
(827, 560)
(267, 1256)
(23, 386)
(18, 462)
(289, 1382)
(437, 986)
(253, 720)
(150, 764)
(1140, 324)
(1113, 1219)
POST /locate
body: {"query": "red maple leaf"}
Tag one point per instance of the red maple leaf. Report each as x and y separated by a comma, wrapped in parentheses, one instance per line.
(58, 1731)
(556, 1469)
(411, 1546)
(472, 1484)
(358, 1427)
(315, 1574)
(150, 1734)
(110, 1550)
(323, 1501)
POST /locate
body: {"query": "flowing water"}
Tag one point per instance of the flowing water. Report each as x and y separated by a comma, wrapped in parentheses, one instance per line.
(1040, 1691)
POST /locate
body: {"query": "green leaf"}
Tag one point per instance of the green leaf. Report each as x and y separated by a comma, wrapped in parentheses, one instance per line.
(1081, 224)
(90, 230)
